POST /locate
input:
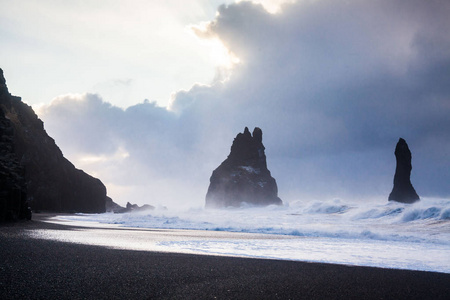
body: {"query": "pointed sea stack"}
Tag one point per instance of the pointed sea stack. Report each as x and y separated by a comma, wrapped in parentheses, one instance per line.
(243, 177)
(403, 190)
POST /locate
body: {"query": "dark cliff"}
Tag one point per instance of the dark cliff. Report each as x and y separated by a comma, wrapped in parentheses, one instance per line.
(243, 177)
(13, 190)
(52, 182)
(403, 191)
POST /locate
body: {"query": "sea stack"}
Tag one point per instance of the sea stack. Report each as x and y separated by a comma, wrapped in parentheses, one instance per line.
(243, 177)
(403, 190)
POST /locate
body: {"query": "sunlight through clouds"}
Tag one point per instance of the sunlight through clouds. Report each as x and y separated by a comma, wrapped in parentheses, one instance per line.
(224, 59)
(220, 55)
(87, 43)
(272, 6)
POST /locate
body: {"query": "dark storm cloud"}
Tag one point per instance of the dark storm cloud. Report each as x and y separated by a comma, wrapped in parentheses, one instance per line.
(332, 84)
(359, 68)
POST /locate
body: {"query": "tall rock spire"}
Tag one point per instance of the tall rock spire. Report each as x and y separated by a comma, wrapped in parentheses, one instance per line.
(243, 177)
(403, 190)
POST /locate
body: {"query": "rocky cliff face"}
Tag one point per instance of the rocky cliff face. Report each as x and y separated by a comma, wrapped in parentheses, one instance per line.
(403, 190)
(243, 177)
(53, 183)
(12, 175)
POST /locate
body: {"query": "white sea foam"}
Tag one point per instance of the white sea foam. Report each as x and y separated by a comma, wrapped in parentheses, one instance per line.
(385, 234)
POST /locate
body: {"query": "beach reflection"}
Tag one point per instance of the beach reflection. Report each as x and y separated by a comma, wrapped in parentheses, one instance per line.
(142, 239)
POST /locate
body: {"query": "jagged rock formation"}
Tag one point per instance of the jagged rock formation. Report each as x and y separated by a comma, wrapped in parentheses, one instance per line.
(117, 209)
(243, 177)
(134, 208)
(53, 183)
(403, 190)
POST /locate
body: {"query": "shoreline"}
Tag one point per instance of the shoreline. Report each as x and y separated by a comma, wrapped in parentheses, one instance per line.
(247, 243)
(34, 269)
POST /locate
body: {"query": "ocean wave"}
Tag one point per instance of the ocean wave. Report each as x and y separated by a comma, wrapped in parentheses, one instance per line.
(328, 208)
(426, 221)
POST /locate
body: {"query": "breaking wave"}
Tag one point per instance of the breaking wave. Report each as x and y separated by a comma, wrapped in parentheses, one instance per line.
(425, 221)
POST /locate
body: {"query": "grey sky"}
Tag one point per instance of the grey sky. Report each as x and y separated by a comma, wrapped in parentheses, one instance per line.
(332, 84)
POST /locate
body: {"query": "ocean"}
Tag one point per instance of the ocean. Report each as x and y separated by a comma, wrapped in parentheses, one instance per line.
(376, 233)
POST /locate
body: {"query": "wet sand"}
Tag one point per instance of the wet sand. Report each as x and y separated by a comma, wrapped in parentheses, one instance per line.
(46, 269)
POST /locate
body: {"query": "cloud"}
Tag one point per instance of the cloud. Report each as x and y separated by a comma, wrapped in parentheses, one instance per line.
(342, 66)
(332, 84)
(144, 153)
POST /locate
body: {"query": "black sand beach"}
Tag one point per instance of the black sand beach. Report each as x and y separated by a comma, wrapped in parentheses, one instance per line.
(43, 269)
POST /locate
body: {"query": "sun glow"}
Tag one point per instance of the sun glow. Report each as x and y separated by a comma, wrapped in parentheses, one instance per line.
(220, 55)
(272, 6)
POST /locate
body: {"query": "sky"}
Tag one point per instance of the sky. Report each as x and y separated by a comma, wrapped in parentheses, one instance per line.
(148, 95)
